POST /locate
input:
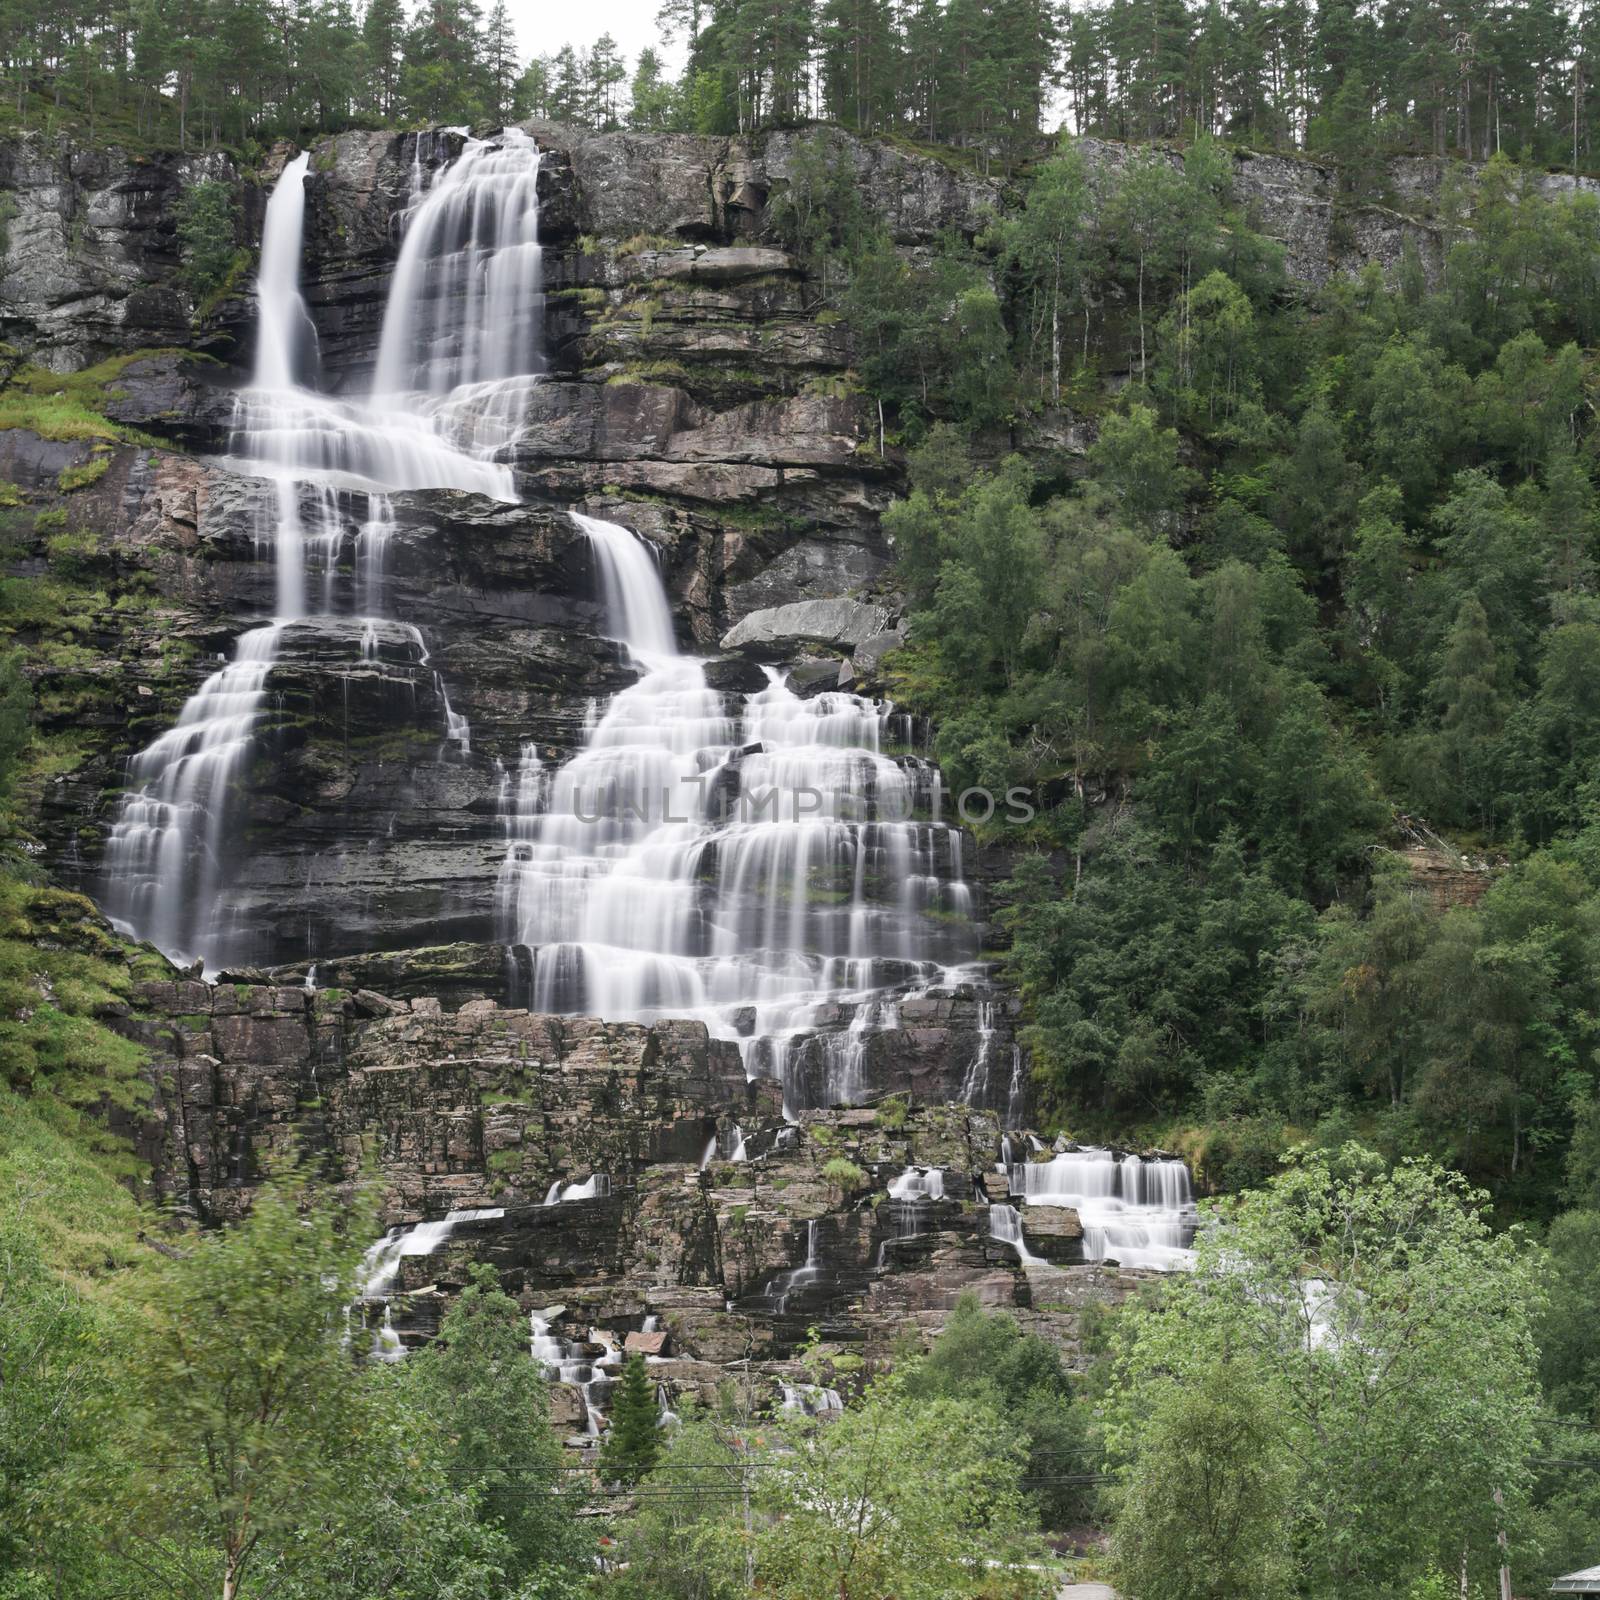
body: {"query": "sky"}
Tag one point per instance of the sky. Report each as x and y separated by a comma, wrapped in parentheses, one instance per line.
(543, 26)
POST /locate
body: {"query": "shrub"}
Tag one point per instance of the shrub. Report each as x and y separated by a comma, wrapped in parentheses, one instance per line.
(843, 1174)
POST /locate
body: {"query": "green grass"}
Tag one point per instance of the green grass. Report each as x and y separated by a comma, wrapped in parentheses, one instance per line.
(62, 1177)
(60, 972)
(58, 417)
(70, 406)
(81, 477)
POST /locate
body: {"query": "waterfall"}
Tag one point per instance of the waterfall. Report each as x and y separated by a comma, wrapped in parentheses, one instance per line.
(975, 1087)
(467, 300)
(1016, 1090)
(810, 1399)
(755, 865)
(777, 1293)
(918, 1183)
(458, 351)
(760, 862)
(1140, 1213)
(1005, 1224)
(596, 1187)
(380, 1266)
(566, 1363)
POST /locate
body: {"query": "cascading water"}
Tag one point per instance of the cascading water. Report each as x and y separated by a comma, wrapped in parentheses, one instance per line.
(918, 1183)
(761, 864)
(380, 1267)
(1016, 1090)
(459, 350)
(595, 1187)
(975, 1087)
(759, 868)
(796, 1279)
(811, 1399)
(569, 1364)
(1140, 1213)
(1005, 1224)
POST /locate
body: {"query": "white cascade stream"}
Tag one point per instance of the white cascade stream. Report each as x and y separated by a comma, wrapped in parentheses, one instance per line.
(1005, 1224)
(458, 353)
(755, 865)
(1140, 1213)
(918, 1183)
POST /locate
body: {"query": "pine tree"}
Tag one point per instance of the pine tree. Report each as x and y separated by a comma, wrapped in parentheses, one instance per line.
(1468, 689)
(633, 1441)
(564, 86)
(604, 73)
(382, 31)
(652, 96)
(500, 62)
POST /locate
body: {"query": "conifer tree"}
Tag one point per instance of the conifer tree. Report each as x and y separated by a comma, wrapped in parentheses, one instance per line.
(633, 1441)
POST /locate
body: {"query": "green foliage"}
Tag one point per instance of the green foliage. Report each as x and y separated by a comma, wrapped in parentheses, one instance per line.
(1569, 1339)
(682, 1544)
(488, 1402)
(1347, 1330)
(1136, 462)
(249, 1454)
(842, 1174)
(56, 1349)
(1201, 1514)
(633, 1439)
(60, 973)
(207, 236)
(70, 406)
(985, 1357)
(81, 477)
(910, 1498)
(248, 1415)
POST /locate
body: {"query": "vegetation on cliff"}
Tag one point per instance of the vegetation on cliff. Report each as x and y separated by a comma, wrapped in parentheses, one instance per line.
(1316, 602)
(1346, 83)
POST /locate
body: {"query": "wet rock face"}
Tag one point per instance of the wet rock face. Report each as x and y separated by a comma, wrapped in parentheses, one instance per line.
(485, 1108)
(88, 247)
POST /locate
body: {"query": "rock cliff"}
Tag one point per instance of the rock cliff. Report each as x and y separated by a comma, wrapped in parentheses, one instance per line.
(712, 1205)
(696, 395)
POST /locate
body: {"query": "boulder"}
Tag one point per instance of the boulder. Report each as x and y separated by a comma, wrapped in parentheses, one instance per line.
(777, 630)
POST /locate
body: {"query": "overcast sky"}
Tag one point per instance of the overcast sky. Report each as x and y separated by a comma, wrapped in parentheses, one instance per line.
(543, 26)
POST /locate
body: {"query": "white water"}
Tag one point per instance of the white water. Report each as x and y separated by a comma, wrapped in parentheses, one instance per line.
(380, 1266)
(810, 1399)
(1016, 1090)
(458, 353)
(778, 1292)
(1005, 1224)
(1140, 1213)
(918, 1183)
(567, 1363)
(795, 927)
(596, 1187)
(641, 886)
(975, 1088)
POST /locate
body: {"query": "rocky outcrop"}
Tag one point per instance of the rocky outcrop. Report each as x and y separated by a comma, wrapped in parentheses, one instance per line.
(88, 247)
(778, 630)
(711, 1206)
(89, 263)
(698, 393)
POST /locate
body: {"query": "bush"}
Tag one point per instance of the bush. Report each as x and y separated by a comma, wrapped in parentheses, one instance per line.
(842, 1173)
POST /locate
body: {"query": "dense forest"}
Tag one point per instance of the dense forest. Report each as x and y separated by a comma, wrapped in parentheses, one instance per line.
(1349, 82)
